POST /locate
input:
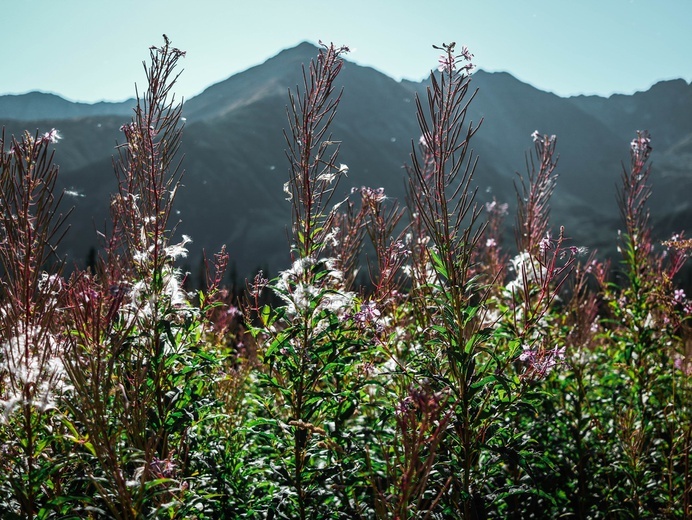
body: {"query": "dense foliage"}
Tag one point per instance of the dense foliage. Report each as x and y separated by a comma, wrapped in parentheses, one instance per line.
(462, 382)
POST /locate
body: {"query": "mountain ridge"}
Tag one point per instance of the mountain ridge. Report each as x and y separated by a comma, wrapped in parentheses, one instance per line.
(235, 164)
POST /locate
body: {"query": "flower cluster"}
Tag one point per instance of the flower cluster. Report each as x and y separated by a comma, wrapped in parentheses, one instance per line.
(528, 270)
(31, 372)
(541, 361)
(312, 285)
(641, 145)
(370, 195)
(543, 139)
(497, 208)
(449, 62)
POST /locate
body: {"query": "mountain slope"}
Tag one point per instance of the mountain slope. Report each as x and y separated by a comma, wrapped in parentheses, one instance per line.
(235, 164)
(40, 105)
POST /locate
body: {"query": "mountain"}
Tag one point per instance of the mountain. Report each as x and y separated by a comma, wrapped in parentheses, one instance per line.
(233, 147)
(40, 105)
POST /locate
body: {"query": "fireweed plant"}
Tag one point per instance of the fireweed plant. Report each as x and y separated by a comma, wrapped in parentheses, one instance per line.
(32, 326)
(618, 415)
(461, 381)
(480, 353)
(313, 346)
(135, 359)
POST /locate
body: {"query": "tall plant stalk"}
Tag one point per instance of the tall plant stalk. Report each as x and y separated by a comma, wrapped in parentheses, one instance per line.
(32, 378)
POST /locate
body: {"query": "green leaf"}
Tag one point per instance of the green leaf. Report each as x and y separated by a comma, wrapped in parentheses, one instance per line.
(438, 264)
(265, 315)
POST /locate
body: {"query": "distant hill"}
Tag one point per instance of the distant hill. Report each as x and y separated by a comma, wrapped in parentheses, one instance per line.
(39, 105)
(235, 163)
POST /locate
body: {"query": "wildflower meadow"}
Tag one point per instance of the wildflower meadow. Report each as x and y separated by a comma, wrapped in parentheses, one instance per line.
(467, 379)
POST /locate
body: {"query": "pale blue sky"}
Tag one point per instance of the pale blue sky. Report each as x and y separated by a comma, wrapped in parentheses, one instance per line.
(90, 50)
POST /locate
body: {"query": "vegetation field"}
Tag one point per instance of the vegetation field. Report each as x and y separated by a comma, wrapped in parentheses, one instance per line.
(461, 381)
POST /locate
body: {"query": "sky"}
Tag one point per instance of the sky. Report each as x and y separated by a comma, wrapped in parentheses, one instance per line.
(91, 50)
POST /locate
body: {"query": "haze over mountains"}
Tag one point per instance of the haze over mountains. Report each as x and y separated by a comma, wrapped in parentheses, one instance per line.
(235, 163)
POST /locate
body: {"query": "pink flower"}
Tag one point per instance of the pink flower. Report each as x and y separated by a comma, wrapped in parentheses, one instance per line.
(51, 137)
(371, 195)
(466, 54)
(542, 361)
(545, 244)
(679, 296)
(495, 207)
(641, 145)
(446, 63)
(368, 313)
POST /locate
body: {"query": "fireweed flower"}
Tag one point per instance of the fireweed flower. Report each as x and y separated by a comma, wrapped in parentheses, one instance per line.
(371, 195)
(258, 284)
(641, 145)
(446, 63)
(37, 372)
(536, 136)
(683, 364)
(527, 269)
(287, 191)
(300, 289)
(545, 244)
(496, 208)
(369, 315)
(51, 137)
(143, 305)
(178, 250)
(679, 296)
(542, 361)
(688, 307)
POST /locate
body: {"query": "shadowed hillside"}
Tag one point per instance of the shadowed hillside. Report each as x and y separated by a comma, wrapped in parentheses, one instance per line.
(235, 164)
